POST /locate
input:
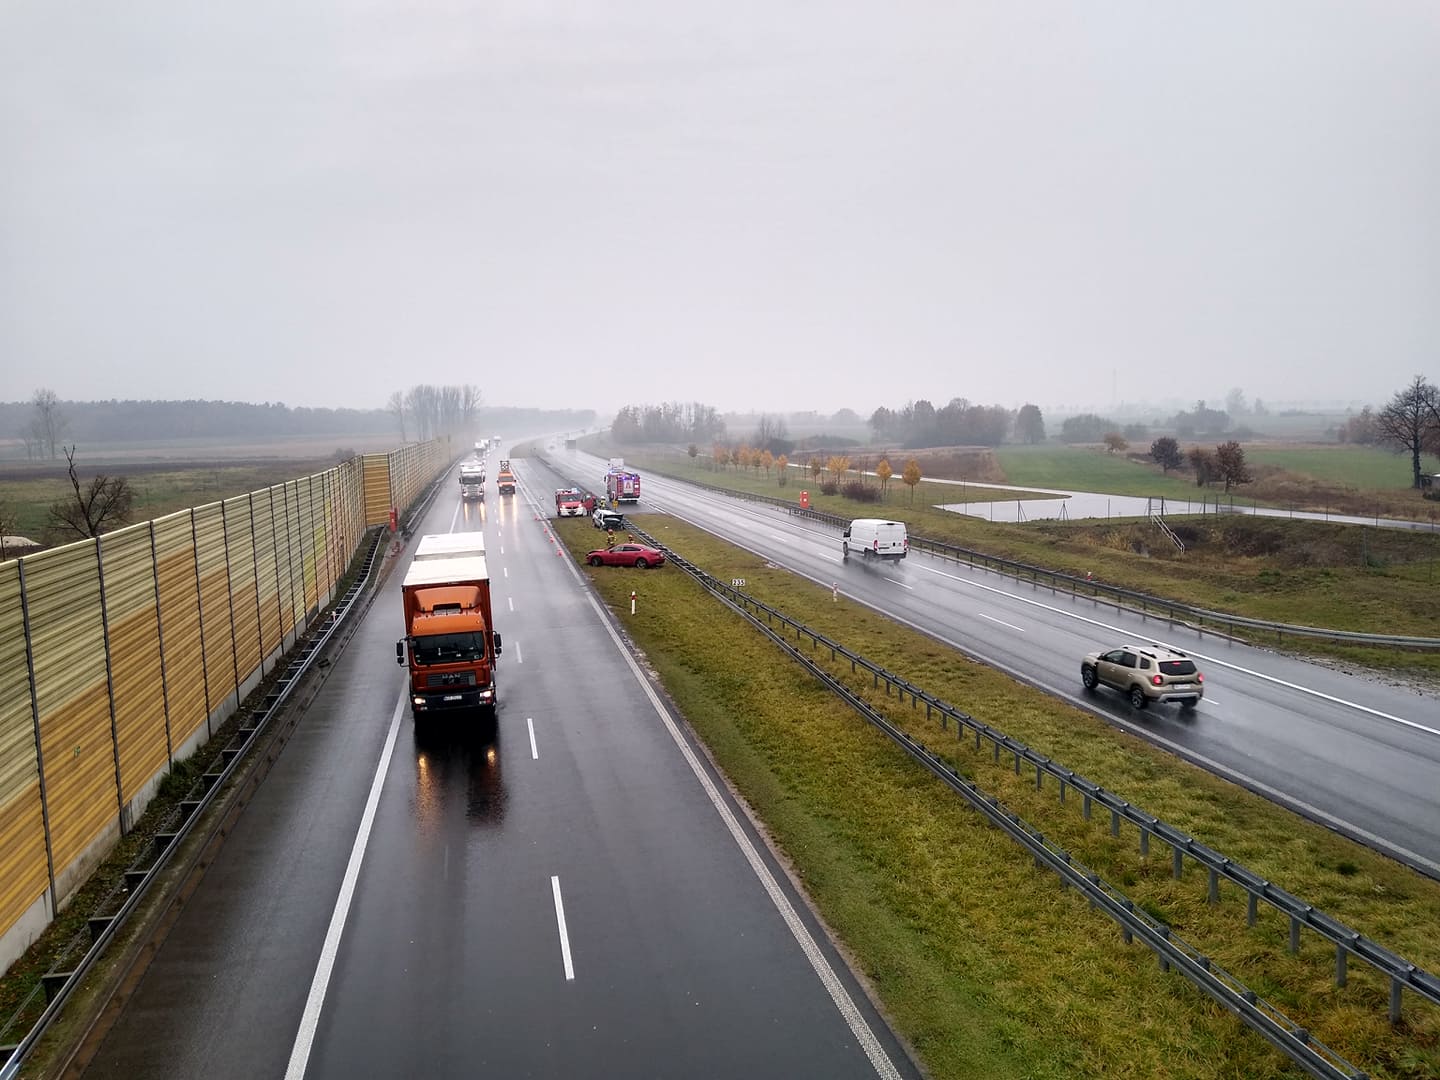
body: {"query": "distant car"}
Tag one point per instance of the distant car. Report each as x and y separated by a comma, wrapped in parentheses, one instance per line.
(1145, 674)
(636, 555)
(605, 518)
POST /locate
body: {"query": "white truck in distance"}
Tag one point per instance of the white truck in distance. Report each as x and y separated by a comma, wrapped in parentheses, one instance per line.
(874, 538)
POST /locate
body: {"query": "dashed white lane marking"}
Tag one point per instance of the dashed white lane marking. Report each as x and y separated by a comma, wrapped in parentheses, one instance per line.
(1002, 622)
(505, 570)
(902, 584)
(564, 934)
(534, 752)
(310, 1018)
(519, 657)
(879, 1060)
(511, 601)
(1208, 659)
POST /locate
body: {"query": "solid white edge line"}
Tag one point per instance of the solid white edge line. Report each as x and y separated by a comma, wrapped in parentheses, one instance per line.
(534, 750)
(310, 1018)
(881, 1062)
(1207, 658)
(560, 923)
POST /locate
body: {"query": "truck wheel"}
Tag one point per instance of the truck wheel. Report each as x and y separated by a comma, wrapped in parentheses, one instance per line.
(595, 560)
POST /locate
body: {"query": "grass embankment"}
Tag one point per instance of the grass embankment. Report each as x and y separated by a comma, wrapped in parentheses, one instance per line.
(984, 964)
(1310, 573)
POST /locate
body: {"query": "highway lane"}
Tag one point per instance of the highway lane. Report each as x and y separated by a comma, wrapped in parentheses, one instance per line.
(572, 892)
(1359, 755)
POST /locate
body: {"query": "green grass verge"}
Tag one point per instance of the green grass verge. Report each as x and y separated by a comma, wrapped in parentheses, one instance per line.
(983, 963)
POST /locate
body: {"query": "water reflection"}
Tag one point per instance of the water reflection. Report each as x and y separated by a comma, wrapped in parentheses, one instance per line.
(473, 515)
(457, 765)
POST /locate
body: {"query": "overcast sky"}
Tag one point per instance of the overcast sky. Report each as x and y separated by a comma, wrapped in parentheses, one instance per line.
(770, 205)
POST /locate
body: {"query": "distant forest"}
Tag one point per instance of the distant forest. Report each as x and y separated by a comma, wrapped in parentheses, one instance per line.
(148, 421)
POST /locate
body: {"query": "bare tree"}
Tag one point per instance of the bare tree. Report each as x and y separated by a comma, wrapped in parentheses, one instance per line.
(1115, 442)
(1411, 422)
(97, 507)
(395, 406)
(50, 424)
(782, 467)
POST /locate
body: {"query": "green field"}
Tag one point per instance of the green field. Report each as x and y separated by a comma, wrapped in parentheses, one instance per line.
(1362, 467)
(1074, 468)
(160, 488)
(982, 962)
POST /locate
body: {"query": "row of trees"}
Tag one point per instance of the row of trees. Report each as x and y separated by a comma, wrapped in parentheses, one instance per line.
(426, 412)
(958, 423)
(45, 424)
(1225, 463)
(671, 422)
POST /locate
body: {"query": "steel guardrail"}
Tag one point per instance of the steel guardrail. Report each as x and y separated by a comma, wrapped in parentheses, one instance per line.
(1173, 953)
(1144, 604)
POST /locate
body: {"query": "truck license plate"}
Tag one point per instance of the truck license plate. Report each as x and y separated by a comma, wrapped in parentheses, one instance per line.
(453, 697)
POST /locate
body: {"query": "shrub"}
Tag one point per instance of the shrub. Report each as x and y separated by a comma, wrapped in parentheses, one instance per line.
(829, 487)
(861, 491)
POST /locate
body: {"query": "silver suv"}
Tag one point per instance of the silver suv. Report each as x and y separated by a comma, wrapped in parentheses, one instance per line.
(1145, 673)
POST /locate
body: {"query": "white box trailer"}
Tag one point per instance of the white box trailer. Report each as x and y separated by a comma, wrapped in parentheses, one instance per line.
(434, 546)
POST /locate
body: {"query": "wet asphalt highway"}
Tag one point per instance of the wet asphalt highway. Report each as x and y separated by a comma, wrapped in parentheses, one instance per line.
(571, 893)
(1359, 755)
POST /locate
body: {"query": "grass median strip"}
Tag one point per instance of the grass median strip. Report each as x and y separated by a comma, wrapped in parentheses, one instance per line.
(983, 962)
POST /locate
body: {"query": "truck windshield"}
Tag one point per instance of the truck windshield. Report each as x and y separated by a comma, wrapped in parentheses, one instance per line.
(449, 648)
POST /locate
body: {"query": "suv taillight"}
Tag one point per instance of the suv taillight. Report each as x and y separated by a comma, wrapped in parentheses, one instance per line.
(1157, 680)
(1199, 676)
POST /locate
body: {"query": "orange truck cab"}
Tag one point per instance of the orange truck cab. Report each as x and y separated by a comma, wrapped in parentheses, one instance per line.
(506, 479)
(450, 643)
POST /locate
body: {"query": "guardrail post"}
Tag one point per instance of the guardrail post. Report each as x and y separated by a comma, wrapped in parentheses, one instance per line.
(1164, 932)
(1340, 973)
(1177, 865)
(1252, 902)
(1114, 822)
(1395, 989)
(1085, 809)
(1214, 895)
(1294, 935)
(1039, 776)
(1017, 764)
(1144, 843)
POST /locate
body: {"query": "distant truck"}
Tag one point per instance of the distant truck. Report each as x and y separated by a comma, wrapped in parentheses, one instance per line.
(450, 643)
(569, 502)
(873, 538)
(622, 486)
(481, 447)
(506, 479)
(472, 482)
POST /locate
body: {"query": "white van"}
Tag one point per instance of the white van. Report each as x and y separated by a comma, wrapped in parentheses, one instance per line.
(875, 539)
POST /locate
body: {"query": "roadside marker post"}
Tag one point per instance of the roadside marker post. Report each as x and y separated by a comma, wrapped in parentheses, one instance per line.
(632, 601)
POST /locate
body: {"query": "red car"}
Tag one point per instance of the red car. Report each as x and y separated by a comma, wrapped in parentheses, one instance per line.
(637, 555)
